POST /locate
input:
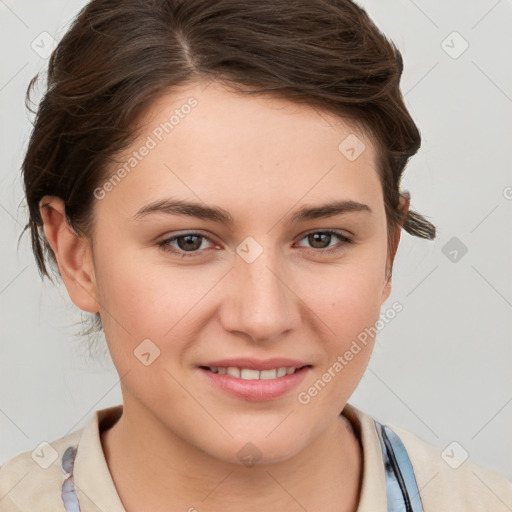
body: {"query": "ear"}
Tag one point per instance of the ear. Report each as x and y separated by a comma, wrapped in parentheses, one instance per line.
(72, 252)
(405, 200)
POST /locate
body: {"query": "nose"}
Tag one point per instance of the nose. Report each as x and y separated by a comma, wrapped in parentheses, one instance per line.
(259, 299)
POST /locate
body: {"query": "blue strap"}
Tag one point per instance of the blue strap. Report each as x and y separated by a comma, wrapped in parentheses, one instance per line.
(69, 497)
(401, 487)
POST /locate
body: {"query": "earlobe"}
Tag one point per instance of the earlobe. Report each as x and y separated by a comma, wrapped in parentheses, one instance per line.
(72, 252)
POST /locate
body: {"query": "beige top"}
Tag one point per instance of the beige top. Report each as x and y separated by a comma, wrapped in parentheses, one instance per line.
(25, 484)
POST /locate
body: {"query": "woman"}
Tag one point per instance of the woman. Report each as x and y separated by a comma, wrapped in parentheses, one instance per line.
(218, 182)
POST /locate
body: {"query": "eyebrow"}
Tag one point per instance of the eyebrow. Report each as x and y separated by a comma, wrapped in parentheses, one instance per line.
(217, 214)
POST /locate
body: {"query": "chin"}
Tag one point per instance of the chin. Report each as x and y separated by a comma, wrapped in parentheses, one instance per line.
(260, 451)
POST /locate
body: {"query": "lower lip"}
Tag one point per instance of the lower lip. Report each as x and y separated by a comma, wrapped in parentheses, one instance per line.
(257, 389)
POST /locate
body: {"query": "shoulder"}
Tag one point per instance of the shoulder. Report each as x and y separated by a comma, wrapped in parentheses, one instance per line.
(32, 480)
(446, 478)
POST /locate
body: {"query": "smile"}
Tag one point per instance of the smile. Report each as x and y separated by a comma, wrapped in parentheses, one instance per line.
(250, 374)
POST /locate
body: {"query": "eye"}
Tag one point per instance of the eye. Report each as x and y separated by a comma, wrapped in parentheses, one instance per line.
(191, 244)
(186, 243)
(319, 239)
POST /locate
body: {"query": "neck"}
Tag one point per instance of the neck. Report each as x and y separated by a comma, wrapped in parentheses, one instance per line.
(155, 469)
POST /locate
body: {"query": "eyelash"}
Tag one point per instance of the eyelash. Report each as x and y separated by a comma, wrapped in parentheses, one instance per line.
(165, 244)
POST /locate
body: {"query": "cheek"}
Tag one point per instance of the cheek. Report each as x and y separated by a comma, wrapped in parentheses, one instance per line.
(349, 308)
(348, 294)
(141, 298)
(348, 303)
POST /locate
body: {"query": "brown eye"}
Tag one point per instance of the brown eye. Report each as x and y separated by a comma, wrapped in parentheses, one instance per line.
(321, 240)
(189, 242)
(318, 240)
(186, 243)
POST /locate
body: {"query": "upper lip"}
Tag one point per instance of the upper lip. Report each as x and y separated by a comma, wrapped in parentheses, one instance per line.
(257, 364)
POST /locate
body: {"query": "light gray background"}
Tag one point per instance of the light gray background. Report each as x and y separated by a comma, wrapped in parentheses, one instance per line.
(442, 367)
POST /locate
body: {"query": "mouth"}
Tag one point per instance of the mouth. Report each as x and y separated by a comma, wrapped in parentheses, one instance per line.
(251, 384)
(253, 374)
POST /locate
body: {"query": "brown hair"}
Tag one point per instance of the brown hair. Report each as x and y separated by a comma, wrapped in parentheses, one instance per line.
(120, 55)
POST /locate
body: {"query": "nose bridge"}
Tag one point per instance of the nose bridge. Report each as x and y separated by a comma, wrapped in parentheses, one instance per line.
(260, 302)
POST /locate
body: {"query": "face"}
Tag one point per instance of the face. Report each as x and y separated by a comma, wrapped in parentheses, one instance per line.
(255, 270)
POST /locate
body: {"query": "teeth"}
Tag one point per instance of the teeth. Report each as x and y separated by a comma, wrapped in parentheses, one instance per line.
(268, 374)
(249, 374)
(234, 372)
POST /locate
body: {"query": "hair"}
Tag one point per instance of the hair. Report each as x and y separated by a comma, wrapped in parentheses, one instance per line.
(119, 56)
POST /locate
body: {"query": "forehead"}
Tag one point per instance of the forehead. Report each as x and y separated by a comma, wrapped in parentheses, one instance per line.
(217, 113)
(206, 142)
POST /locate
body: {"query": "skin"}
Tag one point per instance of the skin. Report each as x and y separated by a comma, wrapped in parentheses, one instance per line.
(260, 158)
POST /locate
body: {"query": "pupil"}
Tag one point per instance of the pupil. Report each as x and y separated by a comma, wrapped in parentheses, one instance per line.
(189, 244)
(315, 238)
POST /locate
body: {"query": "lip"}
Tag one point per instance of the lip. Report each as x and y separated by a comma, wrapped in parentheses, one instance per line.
(257, 364)
(257, 390)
